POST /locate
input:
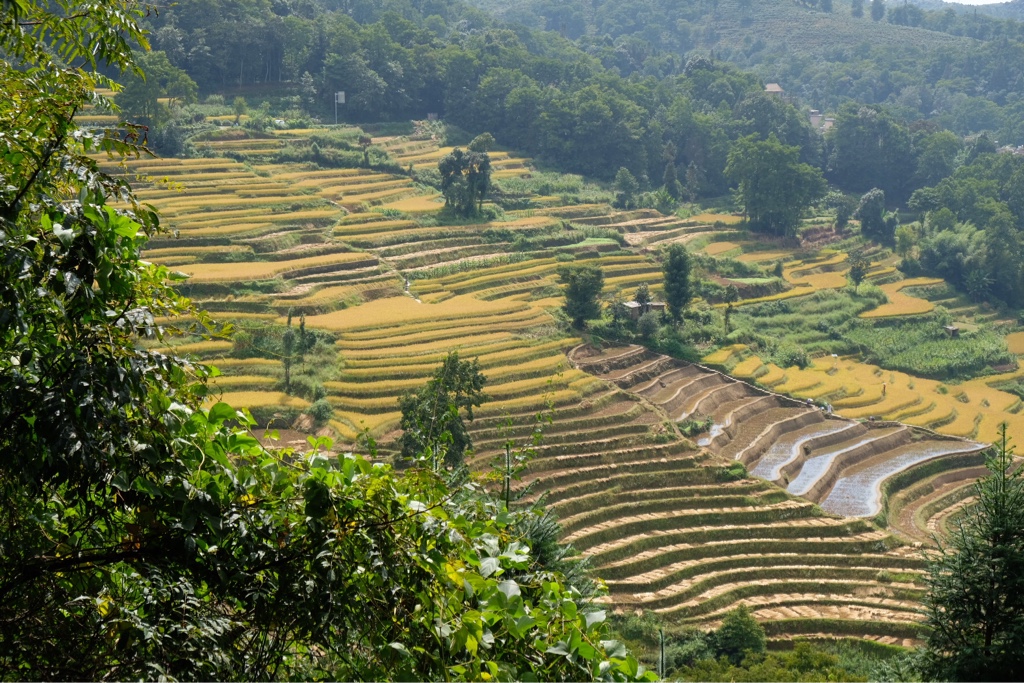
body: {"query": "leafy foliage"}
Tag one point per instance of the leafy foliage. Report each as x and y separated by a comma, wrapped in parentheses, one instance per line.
(465, 179)
(974, 604)
(432, 417)
(139, 101)
(923, 349)
(677, 269)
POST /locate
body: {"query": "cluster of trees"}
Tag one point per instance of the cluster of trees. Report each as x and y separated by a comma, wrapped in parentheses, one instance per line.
(667, 331)
(973, 234)
(534, 91)
(465, 180)
(146, 534)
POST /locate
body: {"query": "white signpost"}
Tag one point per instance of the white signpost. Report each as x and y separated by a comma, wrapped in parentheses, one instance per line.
(339, 98)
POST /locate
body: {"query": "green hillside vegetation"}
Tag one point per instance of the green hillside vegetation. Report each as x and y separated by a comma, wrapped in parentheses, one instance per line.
(923, 64)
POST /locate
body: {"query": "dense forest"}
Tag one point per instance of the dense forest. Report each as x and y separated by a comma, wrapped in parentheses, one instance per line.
(963, 71)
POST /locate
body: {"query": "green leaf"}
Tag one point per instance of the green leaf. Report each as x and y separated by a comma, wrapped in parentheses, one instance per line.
(510, 588)
(630, 667)
(614, 648)
(489, 565)
(523, 624)
(561, 648)
(65, 235)
(126, 227)
(220, 412)
(594, 618)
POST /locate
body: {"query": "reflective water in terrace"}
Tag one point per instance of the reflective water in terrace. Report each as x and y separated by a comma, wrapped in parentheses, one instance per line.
(716, 429)
(816, 467)
(787, 448)
(860, 494)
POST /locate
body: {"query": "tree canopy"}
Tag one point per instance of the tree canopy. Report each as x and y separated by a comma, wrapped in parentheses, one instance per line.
(433, 416)
(465, 180)
(677, 270)
(583, 286)
(774, 186)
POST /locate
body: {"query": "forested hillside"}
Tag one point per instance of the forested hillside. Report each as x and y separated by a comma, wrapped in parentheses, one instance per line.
(962, 71)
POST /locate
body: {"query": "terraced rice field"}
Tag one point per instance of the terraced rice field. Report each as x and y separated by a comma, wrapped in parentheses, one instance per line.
(673, 535)
(667, 526)
(972, 409)
(901, 303)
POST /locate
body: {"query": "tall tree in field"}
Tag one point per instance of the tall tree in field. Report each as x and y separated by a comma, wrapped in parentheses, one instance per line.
(433, 416)
(465, 180)
(877, 9)
(859, 267)
(871, 214)
(670, 180)
(975, 601)
(677, 269)
(583, 285)
(774, 186)
(626, 189)
(643, 297)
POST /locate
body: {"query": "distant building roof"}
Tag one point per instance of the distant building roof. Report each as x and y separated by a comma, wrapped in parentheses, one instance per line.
(773, 88)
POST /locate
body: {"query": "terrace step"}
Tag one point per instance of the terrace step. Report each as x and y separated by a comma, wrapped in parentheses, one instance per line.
(937, 521)
(845, 548)
(814, 475)
(779, 579)
(801, 529)
(754, 435)
(724, 394)
(730, 416)
(788, 447)
(678, 520)
(365, 274)
(910, 509)
(675, 499)
(639, 492)
(684, 396)
(711, 396)
(655, 384)
(847, 494)
(680, 575)
(624, 377)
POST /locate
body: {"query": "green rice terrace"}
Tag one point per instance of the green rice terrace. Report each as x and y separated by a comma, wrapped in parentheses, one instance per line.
(813, 516)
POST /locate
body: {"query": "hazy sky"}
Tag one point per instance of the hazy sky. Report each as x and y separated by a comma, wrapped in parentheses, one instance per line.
(977, 2)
